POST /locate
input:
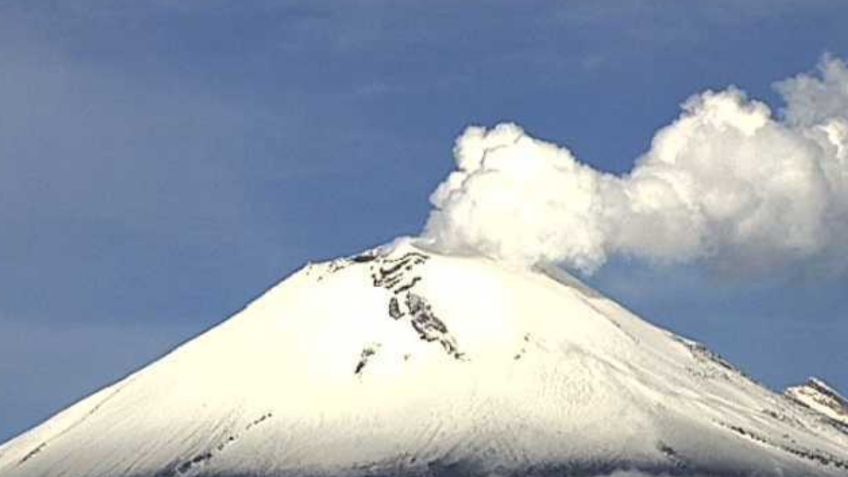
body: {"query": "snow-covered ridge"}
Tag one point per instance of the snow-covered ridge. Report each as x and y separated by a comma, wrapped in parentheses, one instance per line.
(820, 397)
(401, 361)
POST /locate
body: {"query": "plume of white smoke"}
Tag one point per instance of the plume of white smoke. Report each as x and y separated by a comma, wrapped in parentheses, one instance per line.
(727, 183)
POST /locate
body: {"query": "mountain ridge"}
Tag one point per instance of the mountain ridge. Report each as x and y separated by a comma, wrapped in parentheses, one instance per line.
(403, 361)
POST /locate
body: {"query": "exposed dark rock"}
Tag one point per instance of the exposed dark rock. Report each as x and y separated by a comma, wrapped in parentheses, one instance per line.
(394, 308)
(428, 326)
(366, 353)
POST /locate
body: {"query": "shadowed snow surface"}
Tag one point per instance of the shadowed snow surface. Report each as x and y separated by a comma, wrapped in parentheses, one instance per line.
(400, 361)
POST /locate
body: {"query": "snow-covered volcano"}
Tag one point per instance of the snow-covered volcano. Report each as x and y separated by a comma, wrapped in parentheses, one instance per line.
(401, 361)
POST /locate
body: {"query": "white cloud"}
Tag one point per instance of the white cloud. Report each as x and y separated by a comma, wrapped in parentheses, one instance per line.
(727, 183)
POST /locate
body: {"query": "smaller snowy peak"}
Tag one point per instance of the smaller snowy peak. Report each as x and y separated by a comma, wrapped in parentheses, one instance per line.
(818, 396)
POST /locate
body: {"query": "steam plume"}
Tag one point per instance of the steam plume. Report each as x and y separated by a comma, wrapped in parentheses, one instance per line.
(728, 183)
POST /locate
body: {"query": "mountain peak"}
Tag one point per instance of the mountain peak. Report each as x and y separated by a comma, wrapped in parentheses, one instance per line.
(820, 397)
(404, 361)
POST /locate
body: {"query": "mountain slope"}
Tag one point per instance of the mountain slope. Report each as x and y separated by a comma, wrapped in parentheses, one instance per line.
(401, 361)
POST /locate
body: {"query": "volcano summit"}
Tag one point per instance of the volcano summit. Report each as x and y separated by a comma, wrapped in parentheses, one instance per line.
(402, 361)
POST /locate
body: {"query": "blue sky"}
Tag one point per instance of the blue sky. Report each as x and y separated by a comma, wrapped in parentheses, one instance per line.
(162, 163)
